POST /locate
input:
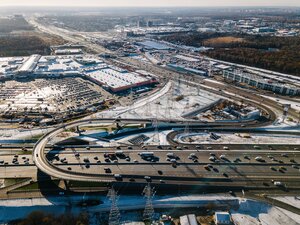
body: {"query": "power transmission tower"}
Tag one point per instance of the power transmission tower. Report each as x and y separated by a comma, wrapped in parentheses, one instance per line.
(114, 215)
(156, 133)
(149, 211)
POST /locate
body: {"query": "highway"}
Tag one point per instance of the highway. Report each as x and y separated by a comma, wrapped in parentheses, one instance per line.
(45, 166)
(239, 169)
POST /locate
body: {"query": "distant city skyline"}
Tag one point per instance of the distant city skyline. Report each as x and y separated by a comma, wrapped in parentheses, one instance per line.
(150, 3)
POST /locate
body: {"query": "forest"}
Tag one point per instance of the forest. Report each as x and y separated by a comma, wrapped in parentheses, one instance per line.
(281, 54)
(18, 23)
(41, 218)
(23, 45)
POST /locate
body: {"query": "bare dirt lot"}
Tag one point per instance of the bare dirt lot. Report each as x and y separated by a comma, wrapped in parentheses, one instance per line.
(223, 40)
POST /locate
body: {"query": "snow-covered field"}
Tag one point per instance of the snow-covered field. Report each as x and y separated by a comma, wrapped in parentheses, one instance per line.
(163, 104)
(246, 212)
(256, 213)
(294, 105)
(233, 138)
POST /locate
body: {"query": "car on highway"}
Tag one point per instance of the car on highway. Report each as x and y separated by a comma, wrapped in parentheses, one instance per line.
(295, 166)
(86, 160)
(247, 157)
(223, 157)
(107, 170)
(237, 160)
(118, 177)
(120, 154)
(212, 158)
(259, 159)
(282, 168)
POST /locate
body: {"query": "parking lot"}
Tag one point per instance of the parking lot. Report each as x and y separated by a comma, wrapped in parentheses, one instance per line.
(54, 97)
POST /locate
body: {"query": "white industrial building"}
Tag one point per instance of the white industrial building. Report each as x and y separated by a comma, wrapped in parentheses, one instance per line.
(260, 82)
(188, 220)
(117, 79)
(28, 66)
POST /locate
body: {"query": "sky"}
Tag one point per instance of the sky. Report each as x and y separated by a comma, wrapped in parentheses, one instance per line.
(153, 3)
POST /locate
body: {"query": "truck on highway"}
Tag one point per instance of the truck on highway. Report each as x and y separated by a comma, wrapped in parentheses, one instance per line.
(279, 184)
(146, 154)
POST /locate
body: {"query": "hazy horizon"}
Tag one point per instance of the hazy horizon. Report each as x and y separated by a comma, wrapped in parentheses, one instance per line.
(151, 3)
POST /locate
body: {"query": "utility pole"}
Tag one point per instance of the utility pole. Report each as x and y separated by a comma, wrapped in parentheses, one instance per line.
(114, 215)
(149, 211)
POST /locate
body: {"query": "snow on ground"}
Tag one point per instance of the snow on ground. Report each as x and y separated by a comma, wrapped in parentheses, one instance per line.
(233, 138)
(14, 134)
(245, 212)
(291, 200)
(118, 111)
(163, 104)
(294, 105)
(257, 213)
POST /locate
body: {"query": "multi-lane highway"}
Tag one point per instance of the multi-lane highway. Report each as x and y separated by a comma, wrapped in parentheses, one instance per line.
(45, 166)
(169, 165)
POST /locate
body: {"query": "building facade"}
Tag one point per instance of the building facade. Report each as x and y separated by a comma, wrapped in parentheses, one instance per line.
(261, 83)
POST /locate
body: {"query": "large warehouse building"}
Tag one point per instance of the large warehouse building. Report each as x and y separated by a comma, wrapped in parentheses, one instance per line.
(118, 80)
(261, 82)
